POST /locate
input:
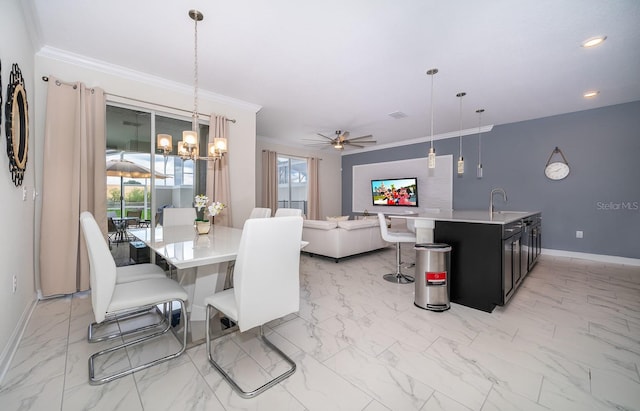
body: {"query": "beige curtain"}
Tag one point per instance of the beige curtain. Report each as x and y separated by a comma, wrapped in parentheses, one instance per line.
(270, 180)
(313, 193)
(74, 168)
(218, 187)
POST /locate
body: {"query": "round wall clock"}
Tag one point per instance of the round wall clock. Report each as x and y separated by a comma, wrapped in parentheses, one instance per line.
(17, 125)
(556, 170)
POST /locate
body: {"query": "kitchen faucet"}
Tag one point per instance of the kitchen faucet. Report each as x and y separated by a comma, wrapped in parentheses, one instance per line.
(494, 191)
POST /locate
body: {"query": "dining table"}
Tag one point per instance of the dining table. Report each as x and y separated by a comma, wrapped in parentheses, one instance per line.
(202, 261)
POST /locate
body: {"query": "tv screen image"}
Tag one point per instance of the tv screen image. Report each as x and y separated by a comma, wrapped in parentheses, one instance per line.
(395, 192)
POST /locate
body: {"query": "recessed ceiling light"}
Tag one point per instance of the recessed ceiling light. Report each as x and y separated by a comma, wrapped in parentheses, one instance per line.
(397, 115)
(590, 94)
(594, 41)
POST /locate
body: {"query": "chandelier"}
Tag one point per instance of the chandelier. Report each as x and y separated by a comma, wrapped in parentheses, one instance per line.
(188, 148)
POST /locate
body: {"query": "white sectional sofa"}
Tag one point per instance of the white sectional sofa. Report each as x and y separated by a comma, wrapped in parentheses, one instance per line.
(338, 239)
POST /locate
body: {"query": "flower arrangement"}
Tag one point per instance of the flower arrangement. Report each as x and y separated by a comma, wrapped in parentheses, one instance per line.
(214, 209)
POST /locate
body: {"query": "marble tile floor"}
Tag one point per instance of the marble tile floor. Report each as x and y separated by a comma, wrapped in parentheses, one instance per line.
(568, 340)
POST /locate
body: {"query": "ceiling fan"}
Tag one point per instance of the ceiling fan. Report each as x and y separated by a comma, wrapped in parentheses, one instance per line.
(342, 139)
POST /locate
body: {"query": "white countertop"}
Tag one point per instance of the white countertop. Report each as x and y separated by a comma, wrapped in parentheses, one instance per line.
(470, 216)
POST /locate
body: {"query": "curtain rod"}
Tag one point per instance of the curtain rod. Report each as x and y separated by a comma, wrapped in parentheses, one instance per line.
(293, 155)
(58, 82)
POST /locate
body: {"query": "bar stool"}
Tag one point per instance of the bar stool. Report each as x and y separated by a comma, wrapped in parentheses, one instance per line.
(396, 237)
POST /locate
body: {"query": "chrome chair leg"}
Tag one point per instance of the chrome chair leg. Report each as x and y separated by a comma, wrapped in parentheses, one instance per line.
(93, 327)
(93, 380)
(227, 377)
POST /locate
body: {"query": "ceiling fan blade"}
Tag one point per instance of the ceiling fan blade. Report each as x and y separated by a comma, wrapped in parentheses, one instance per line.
(358, 138)
(353, 144)
(344, 135)
(322, 135)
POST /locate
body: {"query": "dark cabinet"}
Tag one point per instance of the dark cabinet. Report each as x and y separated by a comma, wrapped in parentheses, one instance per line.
(488, 261)
(476, 262)
(511, 261)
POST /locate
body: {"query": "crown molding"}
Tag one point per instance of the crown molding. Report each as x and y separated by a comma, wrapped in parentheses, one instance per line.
(442, 136)
(141, 77)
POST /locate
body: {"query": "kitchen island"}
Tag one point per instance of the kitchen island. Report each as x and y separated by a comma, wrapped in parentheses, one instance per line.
(491, 253)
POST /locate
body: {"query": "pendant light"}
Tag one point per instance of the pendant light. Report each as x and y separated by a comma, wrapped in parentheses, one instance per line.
(431, 163)
(479, 171)
(460, 158)
(188, 147)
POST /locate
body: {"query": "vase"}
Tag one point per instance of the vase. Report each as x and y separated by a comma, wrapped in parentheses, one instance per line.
(203, 227)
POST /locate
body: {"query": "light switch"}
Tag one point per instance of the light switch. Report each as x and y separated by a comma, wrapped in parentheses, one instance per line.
(579, 234)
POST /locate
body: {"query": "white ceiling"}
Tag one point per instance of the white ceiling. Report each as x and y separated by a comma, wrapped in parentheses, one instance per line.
(319, 66)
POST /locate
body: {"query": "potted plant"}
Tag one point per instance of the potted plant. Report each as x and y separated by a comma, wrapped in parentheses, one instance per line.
(202, 223)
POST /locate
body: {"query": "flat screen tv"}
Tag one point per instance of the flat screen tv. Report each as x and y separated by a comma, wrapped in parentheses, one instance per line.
(395, 192)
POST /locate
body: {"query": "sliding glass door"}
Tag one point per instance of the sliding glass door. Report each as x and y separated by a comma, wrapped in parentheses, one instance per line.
(292, 183)
(130, 139)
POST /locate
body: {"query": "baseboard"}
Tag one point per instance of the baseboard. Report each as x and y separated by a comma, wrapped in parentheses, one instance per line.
(12, 345)
(593, 257)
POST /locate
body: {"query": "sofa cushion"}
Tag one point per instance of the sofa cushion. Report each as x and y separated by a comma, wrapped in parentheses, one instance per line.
(319, 224)
(357, 224)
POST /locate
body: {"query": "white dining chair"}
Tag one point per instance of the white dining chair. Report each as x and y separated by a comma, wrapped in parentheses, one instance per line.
(260, 213)
(178, 216)
(110, 299)
(396, 237)
(266, 286)
(124, 274)
(285, 212)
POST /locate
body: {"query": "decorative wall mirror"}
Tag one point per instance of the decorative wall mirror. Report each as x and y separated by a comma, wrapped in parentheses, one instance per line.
(17, 125)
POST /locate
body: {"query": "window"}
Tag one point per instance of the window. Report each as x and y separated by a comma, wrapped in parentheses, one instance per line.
(292, 183)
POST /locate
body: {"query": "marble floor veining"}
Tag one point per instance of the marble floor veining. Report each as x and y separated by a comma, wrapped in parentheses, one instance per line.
(568, 340)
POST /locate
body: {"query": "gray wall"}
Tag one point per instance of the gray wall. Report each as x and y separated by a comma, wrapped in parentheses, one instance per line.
(601, 195)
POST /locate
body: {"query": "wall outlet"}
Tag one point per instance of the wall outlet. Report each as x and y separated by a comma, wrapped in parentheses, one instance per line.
(579, 234)
(15, 284)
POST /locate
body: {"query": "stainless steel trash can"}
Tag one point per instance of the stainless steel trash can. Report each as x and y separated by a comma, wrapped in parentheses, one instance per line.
(432, 276)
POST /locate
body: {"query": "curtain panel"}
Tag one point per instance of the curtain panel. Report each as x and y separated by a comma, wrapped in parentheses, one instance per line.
(74, 180)
(270, 180)
(218, 187)
(313, 189)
